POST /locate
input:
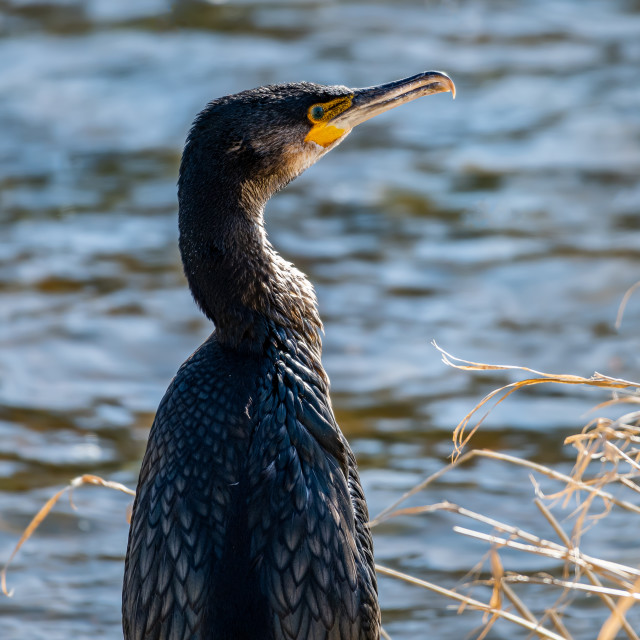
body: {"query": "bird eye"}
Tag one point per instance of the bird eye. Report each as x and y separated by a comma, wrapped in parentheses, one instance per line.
(317, 112)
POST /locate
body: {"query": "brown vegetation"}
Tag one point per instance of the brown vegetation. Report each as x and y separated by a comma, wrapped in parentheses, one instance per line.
(603, 478)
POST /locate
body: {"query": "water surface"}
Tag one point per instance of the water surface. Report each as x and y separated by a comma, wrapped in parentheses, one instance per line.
(505, 225)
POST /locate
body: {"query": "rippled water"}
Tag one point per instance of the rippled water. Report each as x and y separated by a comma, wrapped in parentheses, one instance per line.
(505, 225)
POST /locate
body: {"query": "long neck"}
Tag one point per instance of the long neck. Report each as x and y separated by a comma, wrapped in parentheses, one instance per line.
(250, 292)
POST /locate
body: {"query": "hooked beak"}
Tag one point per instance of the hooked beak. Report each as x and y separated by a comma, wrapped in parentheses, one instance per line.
(371, 101)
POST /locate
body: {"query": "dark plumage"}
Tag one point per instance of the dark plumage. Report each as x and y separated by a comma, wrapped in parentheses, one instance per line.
(249, 521)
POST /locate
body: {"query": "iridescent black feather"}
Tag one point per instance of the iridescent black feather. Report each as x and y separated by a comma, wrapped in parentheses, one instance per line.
(249, 521)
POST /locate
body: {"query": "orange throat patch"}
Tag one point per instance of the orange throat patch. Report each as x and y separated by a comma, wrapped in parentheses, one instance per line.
(324, 134)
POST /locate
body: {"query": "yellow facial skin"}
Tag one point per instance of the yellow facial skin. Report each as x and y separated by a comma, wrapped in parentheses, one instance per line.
(320, 115)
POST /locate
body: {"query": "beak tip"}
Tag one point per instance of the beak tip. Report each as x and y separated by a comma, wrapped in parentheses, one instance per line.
(450, 85)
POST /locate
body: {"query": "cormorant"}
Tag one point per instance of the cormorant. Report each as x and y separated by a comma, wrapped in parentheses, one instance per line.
(249, 521)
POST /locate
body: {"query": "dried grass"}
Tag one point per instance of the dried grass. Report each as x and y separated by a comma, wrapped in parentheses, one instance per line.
(603, 478)
(36, 521)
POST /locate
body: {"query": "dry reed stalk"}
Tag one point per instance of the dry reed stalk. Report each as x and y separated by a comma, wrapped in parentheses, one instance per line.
(471, 603)
(613, 446)
(44, 512)
(461, 438)
(623, 304)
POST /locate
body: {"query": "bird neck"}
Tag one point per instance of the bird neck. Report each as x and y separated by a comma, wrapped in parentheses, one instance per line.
(240, 282)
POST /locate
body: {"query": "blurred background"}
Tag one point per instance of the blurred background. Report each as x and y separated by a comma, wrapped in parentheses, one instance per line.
(505, 225)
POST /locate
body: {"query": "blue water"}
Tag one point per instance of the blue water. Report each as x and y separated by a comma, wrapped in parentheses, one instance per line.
(504, 224)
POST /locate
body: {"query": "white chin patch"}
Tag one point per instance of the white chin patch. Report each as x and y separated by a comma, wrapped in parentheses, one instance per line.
(301, 156)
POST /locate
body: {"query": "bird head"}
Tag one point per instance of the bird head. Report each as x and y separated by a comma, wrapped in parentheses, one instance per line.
(241, 149)
(263, 138)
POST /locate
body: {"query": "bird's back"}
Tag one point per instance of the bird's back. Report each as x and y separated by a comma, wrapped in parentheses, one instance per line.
(249, 520)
